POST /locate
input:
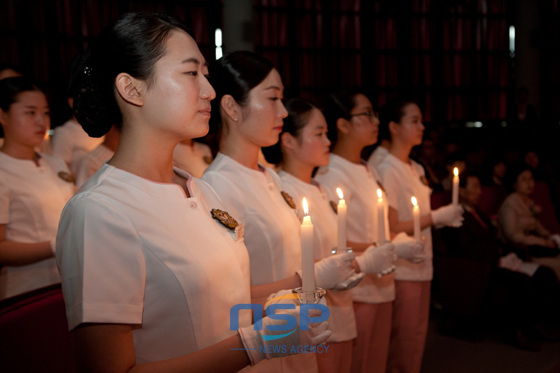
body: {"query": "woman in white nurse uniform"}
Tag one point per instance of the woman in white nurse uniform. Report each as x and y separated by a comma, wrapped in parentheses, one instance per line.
(404, 178)
(151, 263)
(248, 114)
(34, 188)
(303, 146)
(353, 126)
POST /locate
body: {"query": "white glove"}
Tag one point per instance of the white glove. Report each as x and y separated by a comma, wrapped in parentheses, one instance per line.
(450, 216)
(377, 259)
(556, 239)
(408, 248)
(258, 348)
(286, 296)
(335, 272)
(350, 282)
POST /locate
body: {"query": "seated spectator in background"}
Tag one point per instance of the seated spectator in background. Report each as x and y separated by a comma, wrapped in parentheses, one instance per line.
(92, 161)
(429, 158)
(518, 220)
(34, 188)
(69, 141)
(531, 292)
(192, 156)
(496, 172)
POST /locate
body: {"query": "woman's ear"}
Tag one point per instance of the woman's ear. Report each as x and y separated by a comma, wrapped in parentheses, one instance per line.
(130, 89)
(343, 125)
(230, 107)
(287, 140)
(393, 127)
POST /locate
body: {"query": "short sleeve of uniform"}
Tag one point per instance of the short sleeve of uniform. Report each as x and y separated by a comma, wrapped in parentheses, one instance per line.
(99, 255)
(4, 202)
(390, 181)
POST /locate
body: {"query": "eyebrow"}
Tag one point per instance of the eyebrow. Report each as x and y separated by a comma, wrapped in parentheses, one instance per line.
(273, 87)
(194, 60)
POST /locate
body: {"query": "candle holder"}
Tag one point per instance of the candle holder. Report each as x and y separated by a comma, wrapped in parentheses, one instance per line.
(389, 270)
(309, 297)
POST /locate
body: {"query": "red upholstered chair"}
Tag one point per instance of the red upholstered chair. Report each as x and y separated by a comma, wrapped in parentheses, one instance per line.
(491, 199)
(34, 333)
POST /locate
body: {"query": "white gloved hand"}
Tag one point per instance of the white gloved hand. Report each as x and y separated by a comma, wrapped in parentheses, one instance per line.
(286, 296)
(408, 248)
(258, 347)
(350, 282)
(377, 259)
(450, 216)
(334, 271)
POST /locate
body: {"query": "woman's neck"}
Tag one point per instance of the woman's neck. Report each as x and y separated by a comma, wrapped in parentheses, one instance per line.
(145, 155)
(298, 170)
(19, 151)
(240, 150)
(400, 151)
(348, 150)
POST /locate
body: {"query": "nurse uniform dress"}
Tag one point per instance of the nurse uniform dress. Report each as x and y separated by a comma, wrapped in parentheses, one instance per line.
(341, 321)
(373, 296)
(412, 303)
(70, 143)
(31, 199)
(272, 233)
(134, 251)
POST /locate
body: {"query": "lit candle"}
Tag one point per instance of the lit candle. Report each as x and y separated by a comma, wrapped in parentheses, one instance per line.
(416, 218)
(455, 195)
(307, 252)
(381, 216)
(341, 221)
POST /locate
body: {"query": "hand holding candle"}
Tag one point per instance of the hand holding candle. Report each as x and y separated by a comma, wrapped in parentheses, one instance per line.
(416, 218)
(381, 216)
(307, 252)
(455, 195)
(341, 221)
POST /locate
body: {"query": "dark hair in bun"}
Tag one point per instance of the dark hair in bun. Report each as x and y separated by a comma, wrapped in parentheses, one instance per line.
(132, 45)
(236, 74)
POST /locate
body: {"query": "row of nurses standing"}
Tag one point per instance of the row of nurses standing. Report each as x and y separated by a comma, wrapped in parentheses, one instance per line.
(248, 114)
(150, 260)
(404, 178)
(34, 187)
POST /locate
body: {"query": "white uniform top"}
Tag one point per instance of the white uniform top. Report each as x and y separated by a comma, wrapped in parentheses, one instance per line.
(377, 157)
(272, 228)
(193, 159)
(133, 251)
(402, 181)
(91, 162)
(70, 142)
(359, 187)
(323, 217)
(31, 200)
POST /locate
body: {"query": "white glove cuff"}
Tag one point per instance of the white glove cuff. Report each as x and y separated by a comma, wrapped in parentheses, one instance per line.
(362, 263)
(252, 343)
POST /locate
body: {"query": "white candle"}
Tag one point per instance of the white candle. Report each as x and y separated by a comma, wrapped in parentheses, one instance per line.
(341, 221)
(307, 252)
(381, 216)
(455, 195)
(416, 218)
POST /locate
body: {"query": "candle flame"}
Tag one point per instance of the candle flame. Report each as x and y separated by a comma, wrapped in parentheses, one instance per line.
(305, 207)
(339, 192)
(456, 171)
(414, 202)
(379, 193)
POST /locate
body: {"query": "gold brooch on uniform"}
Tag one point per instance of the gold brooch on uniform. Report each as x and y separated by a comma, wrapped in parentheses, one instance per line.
(288, 199)
(66, 176)
(334, 207)
(224, 218)
(424, 180)
(381, 186)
